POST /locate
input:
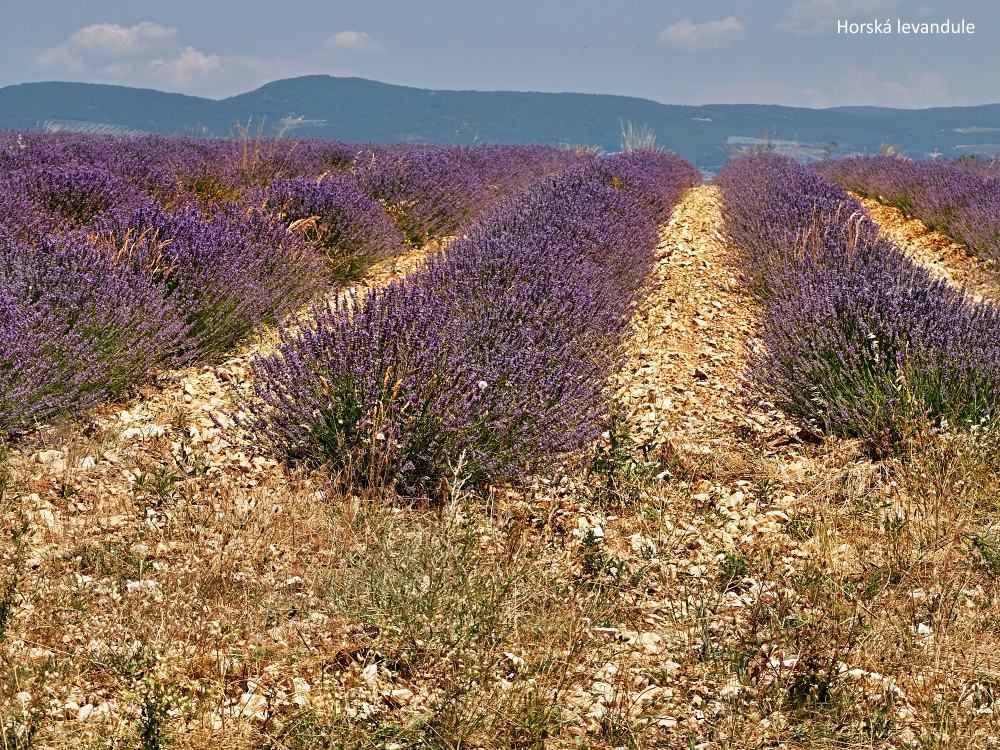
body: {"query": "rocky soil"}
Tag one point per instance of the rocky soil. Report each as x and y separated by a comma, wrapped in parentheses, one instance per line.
(709, 577)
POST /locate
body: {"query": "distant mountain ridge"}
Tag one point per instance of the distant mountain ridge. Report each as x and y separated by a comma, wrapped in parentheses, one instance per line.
(358, 109)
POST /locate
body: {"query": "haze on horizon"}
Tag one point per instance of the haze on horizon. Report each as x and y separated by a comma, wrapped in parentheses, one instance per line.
(681, 52)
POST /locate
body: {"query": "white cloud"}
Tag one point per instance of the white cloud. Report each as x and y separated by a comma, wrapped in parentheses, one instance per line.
(151, 55)
(811, 17)
(355, 41)
(190, 66)
(60, 58)
(707, 35)
(108, 41)
(112, 40)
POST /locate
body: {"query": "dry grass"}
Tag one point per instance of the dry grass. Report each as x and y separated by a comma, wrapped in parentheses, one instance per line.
(703, 579)
(637, 137)
(218, 618)
(847, 605)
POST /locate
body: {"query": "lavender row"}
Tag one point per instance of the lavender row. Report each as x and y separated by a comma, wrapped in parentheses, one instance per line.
(110, 267)
(177, 170)
(223, 273)
(74, 330)
(84, 317)
(357, 202)
(961, 199)
(859, 340)
(491, 359)
(397, 195)
(390, 199)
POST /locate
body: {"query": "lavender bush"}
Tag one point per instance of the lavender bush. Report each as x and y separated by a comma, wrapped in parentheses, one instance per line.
(506, 169)
(427, 192)
(46, 199)
(352, 229)
(645, 175)
(75, 328)
(860, 341)
(226, 274)
(960, 200)
(142, 162)
(208, 238)
(492, 355)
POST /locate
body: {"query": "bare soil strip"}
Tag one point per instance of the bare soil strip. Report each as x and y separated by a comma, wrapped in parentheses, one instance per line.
(684, 389)
(685, 361)
(685, 401)
(779, 578)
(936, 251)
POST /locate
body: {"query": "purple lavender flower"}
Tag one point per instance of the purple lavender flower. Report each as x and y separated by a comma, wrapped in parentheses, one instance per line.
(860, 341)
(45, 199)
(352, 229)
(186, 242)
(427, 192)
(493, 354)
(227, 273)
(75, 328)
(962, 199)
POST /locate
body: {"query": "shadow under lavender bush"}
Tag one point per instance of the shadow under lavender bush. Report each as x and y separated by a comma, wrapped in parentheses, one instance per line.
(491, 357)
(859, 340)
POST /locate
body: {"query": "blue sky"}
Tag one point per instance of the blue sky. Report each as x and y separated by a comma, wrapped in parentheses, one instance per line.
(675, 51)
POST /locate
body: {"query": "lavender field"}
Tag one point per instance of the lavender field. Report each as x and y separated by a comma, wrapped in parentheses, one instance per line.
(314, 444)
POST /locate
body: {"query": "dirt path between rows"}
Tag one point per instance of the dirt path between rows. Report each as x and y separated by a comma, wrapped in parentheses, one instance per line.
(179, 416)
(936, 251)
(689, 347)
(736, 473)
(684, 388)
(766, 562)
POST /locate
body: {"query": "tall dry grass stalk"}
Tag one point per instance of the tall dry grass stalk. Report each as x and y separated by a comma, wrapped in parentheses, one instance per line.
(638, 137)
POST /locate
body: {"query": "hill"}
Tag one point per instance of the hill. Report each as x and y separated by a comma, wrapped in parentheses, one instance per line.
(359, 109)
